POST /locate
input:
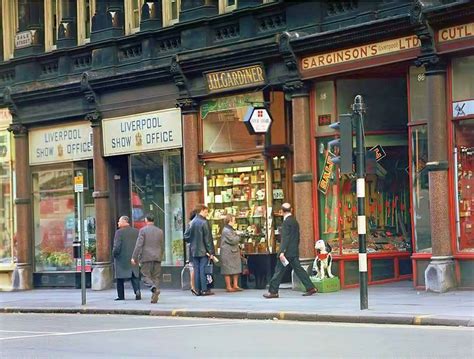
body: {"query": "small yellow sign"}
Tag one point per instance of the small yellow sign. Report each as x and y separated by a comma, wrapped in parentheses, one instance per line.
(79, 184)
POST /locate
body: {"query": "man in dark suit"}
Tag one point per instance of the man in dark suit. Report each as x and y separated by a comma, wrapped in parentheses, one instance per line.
(124, 243)
(289, 254)
(149, 253)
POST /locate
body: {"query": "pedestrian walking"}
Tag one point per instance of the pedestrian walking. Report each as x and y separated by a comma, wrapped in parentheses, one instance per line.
(149, 254)
(289, 255)
(124, 243)
(201, 247)
(231, 262)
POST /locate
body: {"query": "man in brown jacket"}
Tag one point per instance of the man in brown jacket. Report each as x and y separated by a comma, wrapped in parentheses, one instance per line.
(149, 253)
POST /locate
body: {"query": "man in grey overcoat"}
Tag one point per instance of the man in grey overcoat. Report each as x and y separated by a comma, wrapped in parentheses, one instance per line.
(124, 244)
(149, 253)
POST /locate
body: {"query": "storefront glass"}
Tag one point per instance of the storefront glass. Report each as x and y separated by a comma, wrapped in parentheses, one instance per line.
(54, 219)
(157, 189)
(463, 78)
(420, 189)
(6, 200)
(223, 126)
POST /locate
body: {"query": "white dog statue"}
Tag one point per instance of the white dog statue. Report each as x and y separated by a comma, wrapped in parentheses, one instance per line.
(323, 261)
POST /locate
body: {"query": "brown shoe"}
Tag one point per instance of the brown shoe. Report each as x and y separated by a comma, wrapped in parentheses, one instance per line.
(207, 292)
(310, 292)
(270, 295)
(231, 290)
(154, 296)
(238, 289)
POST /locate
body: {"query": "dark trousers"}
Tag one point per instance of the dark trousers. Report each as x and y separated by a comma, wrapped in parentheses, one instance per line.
(280, 272)
(120, 288)
(200, 282)
(151, 275)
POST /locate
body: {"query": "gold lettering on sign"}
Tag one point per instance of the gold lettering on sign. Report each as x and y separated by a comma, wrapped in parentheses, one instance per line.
(237, 78)
(360, 52)
(456, 32)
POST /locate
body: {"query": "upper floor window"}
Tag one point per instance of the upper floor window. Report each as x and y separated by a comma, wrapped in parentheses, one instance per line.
(132, 16)
(227, 6)
(171, 9)
(8, 28)
(85, 11)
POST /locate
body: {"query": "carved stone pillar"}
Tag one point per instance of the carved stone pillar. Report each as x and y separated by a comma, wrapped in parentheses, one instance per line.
(23, 276)
(192, 170)
(440, 273)
(102, 276)
(108, 21)
(302, 177)
(152, 15)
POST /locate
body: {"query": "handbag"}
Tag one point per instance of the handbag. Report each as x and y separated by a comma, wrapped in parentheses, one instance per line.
(209, 267)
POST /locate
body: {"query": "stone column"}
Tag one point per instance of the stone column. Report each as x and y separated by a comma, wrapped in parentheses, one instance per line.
(193, 186)
(302, 176)
(102, 276)
(23, 276)
(440, 273)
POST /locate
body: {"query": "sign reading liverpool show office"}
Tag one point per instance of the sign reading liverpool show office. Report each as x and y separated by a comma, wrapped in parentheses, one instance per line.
(60, 143)
(151, 131)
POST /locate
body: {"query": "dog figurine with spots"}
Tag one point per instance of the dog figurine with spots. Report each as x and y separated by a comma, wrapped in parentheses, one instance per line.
(323, 261)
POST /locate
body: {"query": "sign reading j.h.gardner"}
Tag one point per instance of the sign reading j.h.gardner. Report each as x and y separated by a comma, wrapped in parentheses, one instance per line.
(241, 77)
(60, 143)
(152, 131)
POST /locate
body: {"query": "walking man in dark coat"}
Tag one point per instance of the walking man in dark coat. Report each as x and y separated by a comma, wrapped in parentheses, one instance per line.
(289, 250)
(149, 253)
(199, 236)
(124, 243)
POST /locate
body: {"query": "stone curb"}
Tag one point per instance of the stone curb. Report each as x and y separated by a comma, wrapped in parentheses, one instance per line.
(421, 320)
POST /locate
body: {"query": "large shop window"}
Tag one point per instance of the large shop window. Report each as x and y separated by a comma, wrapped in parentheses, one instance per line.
(223, 126)
(387, 181)
(6, 201)
(253, 192)
(55, 217)
(463, 116)
(157, 189)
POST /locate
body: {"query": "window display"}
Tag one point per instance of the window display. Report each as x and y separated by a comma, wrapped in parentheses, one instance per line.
(464, 152)
(387, 202)
(157, 189)
(6, 200)
(245, 192)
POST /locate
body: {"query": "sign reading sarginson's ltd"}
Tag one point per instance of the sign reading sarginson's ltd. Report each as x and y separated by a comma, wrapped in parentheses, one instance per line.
(60, 143)
(151, 131)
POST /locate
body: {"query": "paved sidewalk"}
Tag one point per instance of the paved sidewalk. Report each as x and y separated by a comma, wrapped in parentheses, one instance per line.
(394, 303)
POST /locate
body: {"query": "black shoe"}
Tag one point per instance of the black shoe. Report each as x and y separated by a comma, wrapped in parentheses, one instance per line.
(196, 293)
(119, 299)
(138, 295)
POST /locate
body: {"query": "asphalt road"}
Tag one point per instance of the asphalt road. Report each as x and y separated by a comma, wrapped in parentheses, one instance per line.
(123, 336)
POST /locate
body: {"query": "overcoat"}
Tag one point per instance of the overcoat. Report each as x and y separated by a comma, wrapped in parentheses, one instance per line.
(124, 243)
(231, 263)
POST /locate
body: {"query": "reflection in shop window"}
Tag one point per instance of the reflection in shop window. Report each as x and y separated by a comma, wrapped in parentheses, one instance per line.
(223, 126)
(157, 189)
(6, 201)
(464, 180)
(54, 220)
(463, 78)
(420, 189)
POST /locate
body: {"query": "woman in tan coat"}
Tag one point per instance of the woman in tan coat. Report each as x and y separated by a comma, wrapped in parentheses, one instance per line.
(230, 255)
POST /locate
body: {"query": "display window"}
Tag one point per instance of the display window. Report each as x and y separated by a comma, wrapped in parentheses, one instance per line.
(6, 200)
(223, 126)
(55, 216)
(387, 181)
(156, 188)
(253, 192)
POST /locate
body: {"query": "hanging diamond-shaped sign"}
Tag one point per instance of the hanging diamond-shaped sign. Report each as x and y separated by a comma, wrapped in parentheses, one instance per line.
(258, 120)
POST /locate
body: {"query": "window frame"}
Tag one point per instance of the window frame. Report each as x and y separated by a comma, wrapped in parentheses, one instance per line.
(10, 27)
(224, 8)
(81, 18)
(129, 16)
(48, 24)
(166, 6)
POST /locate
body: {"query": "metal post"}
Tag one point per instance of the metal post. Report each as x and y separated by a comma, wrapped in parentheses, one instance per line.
(359, 110)
(80, 207)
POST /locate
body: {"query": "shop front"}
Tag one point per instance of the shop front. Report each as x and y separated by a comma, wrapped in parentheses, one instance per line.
(56, 155)
(337, 77)
(144, 153)
(246, 175)
(7, 229)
